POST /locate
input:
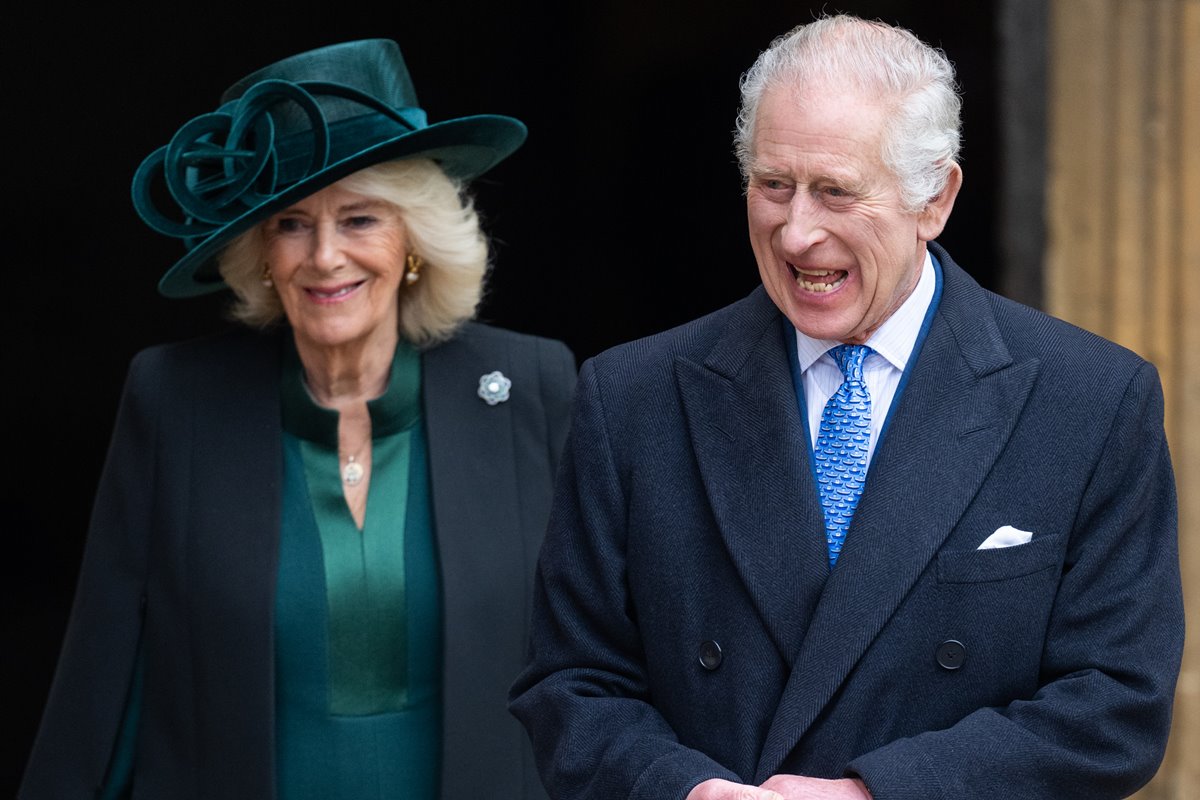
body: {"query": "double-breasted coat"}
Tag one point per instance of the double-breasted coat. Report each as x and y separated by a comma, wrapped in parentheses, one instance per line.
(688, 626)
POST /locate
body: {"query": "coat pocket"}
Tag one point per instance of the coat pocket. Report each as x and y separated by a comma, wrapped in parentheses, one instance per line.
(979, 566)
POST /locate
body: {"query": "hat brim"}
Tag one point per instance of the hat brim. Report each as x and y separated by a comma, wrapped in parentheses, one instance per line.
(464, 148)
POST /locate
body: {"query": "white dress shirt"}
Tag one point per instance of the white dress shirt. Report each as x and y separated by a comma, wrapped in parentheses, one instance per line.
(892, 345)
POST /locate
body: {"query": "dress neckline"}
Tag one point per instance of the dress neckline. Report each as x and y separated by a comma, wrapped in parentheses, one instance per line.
(397, 409)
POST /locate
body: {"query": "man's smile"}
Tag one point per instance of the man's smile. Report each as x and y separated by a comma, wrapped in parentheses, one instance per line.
(818, 280)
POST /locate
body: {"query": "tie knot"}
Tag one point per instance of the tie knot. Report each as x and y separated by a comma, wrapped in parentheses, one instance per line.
(849, 358)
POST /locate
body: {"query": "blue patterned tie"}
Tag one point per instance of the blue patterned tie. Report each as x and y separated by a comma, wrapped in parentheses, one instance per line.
(841, 451)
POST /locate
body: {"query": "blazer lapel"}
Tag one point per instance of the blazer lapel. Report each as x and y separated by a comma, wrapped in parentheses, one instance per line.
(477, 515)
(472, 475)
(752, 454)
(957, 412)
(232, 550)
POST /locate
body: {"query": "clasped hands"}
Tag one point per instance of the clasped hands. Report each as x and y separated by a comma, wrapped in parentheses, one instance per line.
(782, 787)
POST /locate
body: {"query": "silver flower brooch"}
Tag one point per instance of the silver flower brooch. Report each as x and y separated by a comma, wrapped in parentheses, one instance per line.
(493, 388)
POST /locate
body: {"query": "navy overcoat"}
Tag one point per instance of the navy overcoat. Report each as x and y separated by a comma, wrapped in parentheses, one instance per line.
(687, 519)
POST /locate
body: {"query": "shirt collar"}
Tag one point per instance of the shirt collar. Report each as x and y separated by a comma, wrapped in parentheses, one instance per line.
(895, 338)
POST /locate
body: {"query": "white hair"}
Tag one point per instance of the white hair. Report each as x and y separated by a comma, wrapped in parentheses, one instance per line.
(922, 132)
(442, 228)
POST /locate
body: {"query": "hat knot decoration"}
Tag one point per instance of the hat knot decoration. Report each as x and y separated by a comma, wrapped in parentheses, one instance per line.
(289, 130)
(222, 164)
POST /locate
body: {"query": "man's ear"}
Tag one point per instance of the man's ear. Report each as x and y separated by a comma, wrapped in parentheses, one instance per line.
(932, 218)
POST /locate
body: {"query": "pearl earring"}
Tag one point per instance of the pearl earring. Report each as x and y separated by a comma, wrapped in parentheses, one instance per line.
(412, 269)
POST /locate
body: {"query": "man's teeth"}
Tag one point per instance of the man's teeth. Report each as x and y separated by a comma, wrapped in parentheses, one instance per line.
(802, 277)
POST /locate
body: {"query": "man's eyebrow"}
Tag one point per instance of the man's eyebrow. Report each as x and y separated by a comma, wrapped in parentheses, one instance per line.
(760, 172)
(852, 183)
(845, 181)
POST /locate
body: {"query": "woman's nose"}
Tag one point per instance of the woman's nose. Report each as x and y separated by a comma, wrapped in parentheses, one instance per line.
(327, 251)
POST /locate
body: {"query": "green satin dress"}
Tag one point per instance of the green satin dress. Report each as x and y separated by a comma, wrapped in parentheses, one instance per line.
(358, 613)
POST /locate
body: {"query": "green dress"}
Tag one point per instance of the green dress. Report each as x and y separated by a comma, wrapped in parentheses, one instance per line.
(358, 613)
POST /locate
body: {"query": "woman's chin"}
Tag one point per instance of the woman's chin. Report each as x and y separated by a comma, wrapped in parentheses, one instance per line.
(330, 337)
(339, 335)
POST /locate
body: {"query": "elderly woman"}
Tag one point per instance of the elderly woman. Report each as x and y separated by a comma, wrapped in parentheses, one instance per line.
(309, 562)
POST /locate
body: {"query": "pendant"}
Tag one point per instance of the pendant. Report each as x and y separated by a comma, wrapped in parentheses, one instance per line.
(352, 473)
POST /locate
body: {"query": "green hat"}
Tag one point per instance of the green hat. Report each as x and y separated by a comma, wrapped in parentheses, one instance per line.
(289, 130)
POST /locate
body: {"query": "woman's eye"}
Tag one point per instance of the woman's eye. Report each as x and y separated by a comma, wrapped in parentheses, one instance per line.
(360, 221)
(287, 224)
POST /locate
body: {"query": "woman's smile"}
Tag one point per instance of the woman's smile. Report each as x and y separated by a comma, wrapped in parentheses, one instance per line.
(336, 294)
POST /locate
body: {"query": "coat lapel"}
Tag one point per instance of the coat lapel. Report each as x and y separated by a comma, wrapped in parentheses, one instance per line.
(752, 454)
(232, 553)
(472, 476)
(477, 514)
(953, 419)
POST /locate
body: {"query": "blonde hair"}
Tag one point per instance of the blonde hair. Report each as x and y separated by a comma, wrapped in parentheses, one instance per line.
(442, 227)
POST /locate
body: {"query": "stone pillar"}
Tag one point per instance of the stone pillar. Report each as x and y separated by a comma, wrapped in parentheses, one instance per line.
(1123, 245)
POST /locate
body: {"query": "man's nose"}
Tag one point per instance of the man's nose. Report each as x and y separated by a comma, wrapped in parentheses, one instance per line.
(805, 225)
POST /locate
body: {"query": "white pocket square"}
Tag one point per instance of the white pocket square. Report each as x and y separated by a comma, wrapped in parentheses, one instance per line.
(1006, 536)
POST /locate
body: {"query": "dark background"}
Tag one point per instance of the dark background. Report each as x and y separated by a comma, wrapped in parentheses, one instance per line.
(621, 216)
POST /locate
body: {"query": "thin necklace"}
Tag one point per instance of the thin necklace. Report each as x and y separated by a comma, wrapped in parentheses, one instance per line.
(353, 471)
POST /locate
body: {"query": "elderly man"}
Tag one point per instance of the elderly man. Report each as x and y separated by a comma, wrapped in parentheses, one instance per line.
(872, 531)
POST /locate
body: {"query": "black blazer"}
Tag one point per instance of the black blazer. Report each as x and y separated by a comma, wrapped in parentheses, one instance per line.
(687, 517)
(181, 564)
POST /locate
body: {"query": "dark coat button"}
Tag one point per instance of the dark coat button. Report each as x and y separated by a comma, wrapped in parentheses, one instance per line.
(710, 655)
(951, 654)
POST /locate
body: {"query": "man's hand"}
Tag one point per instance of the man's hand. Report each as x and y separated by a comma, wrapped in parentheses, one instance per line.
(782, 787)
(718, 789)
(798, 787)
